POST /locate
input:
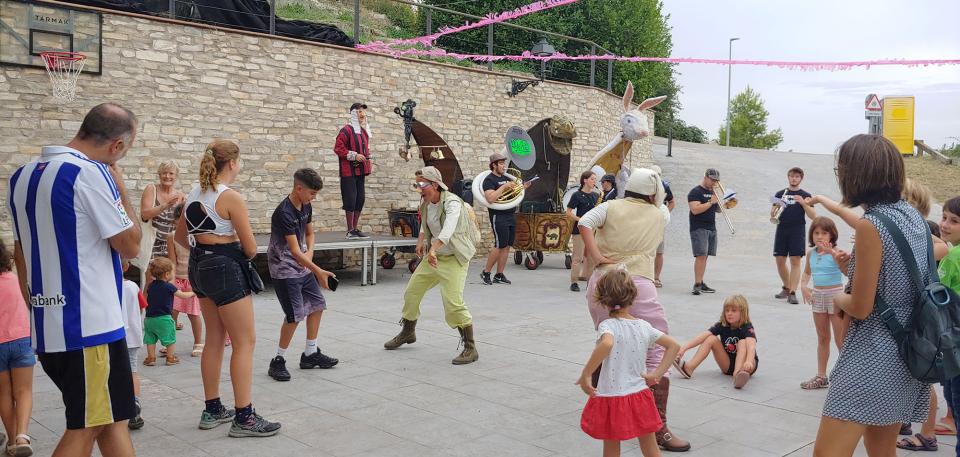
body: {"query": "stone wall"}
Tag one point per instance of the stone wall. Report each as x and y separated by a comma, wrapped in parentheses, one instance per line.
(283, 101)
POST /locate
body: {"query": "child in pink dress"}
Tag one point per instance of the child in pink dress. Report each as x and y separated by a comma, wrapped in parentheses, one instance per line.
(622, 407)
(16, 359)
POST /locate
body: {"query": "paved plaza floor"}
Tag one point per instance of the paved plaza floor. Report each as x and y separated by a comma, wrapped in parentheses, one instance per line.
(533, 337)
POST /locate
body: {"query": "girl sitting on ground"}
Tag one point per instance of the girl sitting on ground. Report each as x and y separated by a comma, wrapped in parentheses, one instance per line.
(827, 283)
(622, 407)
(732, 340)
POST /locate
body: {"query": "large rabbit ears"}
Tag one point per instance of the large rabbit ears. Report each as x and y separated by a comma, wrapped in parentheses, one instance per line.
(628, 96)
(647, 104)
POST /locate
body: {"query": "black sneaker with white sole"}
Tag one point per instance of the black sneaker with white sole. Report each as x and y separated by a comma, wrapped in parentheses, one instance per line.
(499, 278)
(255, 426)
(358, 234)
(706, 289)
(485, 277)
(696, 289)
(278, 369)
(317, 360)
(574, 287)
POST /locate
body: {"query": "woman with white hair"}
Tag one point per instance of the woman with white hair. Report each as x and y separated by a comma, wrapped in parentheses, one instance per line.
(625, 234)
(157, 204)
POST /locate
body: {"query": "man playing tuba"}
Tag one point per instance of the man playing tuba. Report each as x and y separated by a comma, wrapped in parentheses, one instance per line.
(503, 221)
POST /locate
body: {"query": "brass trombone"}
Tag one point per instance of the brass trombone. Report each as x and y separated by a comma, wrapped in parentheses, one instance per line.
(725, 205)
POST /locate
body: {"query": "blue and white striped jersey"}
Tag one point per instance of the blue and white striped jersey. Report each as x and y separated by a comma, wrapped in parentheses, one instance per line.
(65, 207)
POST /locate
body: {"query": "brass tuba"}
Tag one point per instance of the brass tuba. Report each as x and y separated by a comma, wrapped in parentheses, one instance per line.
(510, 199)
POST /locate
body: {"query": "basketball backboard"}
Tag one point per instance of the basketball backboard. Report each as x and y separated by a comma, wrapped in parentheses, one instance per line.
(29, 28)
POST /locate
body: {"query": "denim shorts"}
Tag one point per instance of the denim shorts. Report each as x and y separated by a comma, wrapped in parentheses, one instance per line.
(16, 354)
(217, 277)
(704, 242)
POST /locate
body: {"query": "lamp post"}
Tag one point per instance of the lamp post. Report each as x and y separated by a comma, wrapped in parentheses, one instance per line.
(542, 48)
(729, 73)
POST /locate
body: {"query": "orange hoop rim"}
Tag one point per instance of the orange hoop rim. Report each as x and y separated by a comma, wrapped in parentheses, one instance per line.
(61, 56)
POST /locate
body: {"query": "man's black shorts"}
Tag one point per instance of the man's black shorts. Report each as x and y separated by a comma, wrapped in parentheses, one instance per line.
(95, 382)
(504, 229)
(790, 242)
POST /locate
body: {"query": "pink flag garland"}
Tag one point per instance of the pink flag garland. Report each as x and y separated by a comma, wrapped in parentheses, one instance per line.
(428, 40)
(793, 65)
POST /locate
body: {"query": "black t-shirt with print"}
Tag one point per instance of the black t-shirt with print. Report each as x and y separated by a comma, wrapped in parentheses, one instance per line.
(793, 215)
(581, 202)
(707, 219)
(493, 182)
(731, 336)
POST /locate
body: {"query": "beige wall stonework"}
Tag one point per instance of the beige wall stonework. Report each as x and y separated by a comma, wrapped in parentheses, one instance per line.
(283, 101)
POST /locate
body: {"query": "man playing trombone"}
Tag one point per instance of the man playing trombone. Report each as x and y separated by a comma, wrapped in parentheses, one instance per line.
(789, 241)
(703, 202)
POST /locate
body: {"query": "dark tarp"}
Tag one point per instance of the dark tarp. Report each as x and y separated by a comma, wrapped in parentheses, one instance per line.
(250, 15)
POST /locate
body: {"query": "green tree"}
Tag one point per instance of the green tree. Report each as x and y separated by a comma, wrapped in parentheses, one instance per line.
(748, 121)
(666, 126)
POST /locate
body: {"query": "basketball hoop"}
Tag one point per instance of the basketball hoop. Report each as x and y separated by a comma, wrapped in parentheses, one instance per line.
(63, 69)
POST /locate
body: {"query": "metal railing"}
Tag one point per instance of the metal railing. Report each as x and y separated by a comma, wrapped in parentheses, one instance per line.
(578, 72)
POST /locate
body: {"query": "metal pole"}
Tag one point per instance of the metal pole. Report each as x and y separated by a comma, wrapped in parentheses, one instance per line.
(490, 45)
(729, 72)
(173, 9)
(670, 137)
(356, 21)
(273, 17)
(593, 66)
(610, 76)
(429, 21)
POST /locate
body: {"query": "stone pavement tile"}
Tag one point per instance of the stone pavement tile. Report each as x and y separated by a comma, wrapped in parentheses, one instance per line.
(344, 400)
(389, 415)
(526, 399)
(496, 445)
(277, 445)
(574, 443)
(344, 438)
(725, 448)
(756, 436)
(404, 449)
(942, 451)
(497, 418)
(421, 394)
(164, 445)
(439, 432)
(381, 382)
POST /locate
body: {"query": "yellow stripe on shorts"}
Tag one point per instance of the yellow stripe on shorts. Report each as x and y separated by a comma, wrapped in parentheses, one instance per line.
(96, 369)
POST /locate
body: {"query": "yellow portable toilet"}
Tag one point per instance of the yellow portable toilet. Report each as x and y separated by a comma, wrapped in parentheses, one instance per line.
(898, 122)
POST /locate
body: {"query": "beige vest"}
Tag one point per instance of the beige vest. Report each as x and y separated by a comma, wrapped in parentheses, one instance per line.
(630, 235)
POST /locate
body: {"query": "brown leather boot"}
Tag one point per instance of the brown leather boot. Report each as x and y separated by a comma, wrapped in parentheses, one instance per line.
(407, 335)
(666, 440)
(469, 354)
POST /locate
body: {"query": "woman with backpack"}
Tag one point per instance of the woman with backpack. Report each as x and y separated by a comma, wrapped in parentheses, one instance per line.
(872, 390)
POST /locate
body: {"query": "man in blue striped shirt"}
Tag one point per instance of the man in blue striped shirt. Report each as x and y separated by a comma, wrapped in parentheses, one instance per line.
(71, 224)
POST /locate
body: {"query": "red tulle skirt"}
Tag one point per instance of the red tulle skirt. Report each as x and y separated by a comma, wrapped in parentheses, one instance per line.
(621, 418)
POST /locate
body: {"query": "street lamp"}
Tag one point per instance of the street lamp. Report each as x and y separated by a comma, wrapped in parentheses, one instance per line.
(541, 48)
(729, 71)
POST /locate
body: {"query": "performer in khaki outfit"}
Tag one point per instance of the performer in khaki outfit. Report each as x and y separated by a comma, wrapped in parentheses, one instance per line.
(448, 235)
(625, 234)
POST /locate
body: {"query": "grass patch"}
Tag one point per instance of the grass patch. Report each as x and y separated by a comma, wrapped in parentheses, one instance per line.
(943, 180)
(303, 13)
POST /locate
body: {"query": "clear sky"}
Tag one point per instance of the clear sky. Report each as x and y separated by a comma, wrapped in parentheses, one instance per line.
(817, 110)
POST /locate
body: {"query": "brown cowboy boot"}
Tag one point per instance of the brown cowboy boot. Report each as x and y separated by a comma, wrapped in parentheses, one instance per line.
(407, 335)
(666, 440)
(469, 354)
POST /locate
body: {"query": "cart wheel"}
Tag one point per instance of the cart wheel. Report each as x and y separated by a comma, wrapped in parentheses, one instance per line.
(568, 261)
(517, 257)
(388, 261)
(540, 257)
(412, 265)
(531, 262)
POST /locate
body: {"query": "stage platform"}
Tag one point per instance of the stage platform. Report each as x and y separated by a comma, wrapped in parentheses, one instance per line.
(369, 247)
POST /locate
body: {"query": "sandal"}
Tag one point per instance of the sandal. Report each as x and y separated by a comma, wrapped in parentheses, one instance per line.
(681, 367)
(906, 429)
(179, 326)
(925, 444)
(21, 449)
(172, 359)
(944, 428)
(150, 361)
(816, 382)
(657, 283)
(197, 350)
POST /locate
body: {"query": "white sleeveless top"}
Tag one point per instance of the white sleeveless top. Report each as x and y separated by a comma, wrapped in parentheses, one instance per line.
(200, 212)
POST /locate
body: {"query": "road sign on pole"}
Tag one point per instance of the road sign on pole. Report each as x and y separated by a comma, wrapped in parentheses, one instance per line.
(872, 106)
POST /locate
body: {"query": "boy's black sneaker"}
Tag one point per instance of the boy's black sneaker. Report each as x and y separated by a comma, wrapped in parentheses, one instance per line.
(278, 369)
(696, 289)
(254, 426)
(499, 278)
(137, 422)
(485, 277)
(317, 360)
(358, 234)
(705, 289)
(574, 287)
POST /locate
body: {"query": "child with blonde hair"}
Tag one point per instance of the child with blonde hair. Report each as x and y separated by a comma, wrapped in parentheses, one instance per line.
(158, 324)
(732, 341)
(622, 407)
